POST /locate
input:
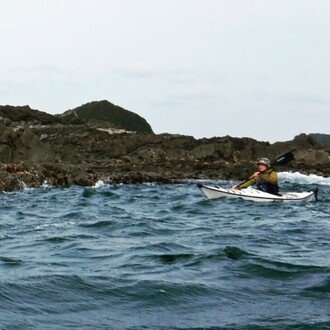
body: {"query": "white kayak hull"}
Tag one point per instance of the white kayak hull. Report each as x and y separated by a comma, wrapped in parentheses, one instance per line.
(255, 195)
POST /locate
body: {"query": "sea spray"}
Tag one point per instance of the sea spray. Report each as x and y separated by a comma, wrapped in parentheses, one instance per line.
(299, 178)
(99, 184)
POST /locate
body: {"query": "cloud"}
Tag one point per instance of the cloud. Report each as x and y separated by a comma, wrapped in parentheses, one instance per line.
(34, 73)
(137, 70)
(303, 98)
(306, 98)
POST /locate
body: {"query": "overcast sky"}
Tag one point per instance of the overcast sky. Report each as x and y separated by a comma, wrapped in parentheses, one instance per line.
(205, 68)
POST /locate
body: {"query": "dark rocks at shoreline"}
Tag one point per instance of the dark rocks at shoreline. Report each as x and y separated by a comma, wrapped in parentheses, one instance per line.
(36, 147)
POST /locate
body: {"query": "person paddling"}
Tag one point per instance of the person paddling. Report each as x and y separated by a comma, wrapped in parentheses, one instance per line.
(265, 179)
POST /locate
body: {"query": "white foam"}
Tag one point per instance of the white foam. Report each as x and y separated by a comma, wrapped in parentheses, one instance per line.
(46, 185)
(99, 184)
(24, 186)
(296, 177)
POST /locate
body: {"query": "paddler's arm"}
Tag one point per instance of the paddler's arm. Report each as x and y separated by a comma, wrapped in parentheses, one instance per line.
(253, 180)
(246, 184)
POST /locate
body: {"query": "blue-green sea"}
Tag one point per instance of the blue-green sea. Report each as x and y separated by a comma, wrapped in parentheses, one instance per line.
(153, 256)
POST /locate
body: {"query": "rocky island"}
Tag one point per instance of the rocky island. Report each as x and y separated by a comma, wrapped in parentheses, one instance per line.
(102, 141)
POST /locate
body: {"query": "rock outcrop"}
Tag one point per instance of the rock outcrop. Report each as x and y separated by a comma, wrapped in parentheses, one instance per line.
(27, 116)
(63, 150)
(106, 114)
(322, 139)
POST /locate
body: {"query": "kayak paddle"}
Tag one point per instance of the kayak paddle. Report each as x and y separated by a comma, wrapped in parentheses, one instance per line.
(282, 160)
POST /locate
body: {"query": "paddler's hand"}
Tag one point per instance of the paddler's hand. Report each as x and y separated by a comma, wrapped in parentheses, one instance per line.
(235, 186)
(255, 175)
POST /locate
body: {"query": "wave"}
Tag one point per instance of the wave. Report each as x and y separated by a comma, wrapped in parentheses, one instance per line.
(61, 239)
(92, 191)
(319, 290)
(235, 253)
(296, 177)
(280, 270)
(99, 184)
(10, 261)
(98, 224)
(173, 258)
(56, 239)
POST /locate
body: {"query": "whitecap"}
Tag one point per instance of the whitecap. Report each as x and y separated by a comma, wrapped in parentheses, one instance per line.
(46, 185)
(24, 186)
(99, 184)
(296, 177)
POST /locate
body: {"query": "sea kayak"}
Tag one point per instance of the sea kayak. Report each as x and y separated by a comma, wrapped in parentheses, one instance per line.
(255, 195)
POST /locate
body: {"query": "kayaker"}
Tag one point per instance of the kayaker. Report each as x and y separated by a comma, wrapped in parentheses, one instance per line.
(265, 179)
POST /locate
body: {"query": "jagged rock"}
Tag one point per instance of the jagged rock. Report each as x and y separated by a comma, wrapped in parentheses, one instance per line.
(312, 156)
(25, 114)
(16, 146)
(14, 168)
(321, 139)
(7, 143)
(205, 151)
(302, 140)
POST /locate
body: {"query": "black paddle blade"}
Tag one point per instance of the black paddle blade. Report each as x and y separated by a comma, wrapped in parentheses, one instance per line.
(284, 159)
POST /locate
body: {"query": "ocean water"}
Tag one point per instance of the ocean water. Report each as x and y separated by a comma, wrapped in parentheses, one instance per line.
(153, 256)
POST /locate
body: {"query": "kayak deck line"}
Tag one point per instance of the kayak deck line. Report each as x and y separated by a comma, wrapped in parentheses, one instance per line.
(255, 195)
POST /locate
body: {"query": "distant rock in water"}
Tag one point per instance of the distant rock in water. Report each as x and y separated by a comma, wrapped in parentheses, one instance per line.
(235, 253)
(104, 113)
